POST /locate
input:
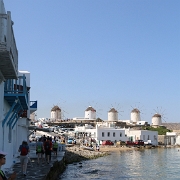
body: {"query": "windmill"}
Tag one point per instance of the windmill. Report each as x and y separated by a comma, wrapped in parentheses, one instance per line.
(158, 117)
(56, 112)
(137, 112)
(113, 112)
(94, 105)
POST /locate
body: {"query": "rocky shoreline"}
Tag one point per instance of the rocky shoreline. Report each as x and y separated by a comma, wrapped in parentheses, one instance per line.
(77, 154)
(73, 154)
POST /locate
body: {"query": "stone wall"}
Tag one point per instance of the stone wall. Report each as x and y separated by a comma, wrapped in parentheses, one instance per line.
(161, 139)
(56, 170)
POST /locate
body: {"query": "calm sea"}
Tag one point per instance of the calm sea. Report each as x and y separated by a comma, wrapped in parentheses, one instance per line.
(148, 164)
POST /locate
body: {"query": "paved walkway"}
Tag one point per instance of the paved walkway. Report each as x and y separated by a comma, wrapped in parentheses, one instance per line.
(35, 171)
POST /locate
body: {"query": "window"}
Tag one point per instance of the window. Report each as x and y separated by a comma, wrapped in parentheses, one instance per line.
(143, 137)
(102, 134)
(148, 137)
(120, 134)
(125, 135)
(108, 134)
(114, 134)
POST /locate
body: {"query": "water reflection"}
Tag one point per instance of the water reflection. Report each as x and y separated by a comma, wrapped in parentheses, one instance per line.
(148, 164)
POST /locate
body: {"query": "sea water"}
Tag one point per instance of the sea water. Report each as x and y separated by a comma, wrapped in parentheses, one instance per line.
(148, 164)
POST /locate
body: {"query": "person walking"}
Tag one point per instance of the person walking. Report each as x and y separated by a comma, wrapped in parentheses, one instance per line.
(39, 150)
(47, 148)
(55, 147)
(24, 150)
(2, 162)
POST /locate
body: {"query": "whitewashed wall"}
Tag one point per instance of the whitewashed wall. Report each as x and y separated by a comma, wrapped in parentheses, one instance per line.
(90, 114)
(177, 140)
(112, 116)
(7, 145)
(111, 137)
(143, 135)
(135, 117)
(56, 114)
(156, 121)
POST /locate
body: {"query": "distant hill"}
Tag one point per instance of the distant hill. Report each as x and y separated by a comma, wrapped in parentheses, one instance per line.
(172, 126)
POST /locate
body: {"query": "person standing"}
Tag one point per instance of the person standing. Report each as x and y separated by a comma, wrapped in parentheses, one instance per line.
(39, 150)
(24, 150)
(2, 162)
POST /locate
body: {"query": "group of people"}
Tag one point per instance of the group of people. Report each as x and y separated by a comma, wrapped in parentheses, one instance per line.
(45, 145)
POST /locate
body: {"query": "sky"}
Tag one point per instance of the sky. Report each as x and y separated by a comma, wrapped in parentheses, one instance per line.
(100, 53)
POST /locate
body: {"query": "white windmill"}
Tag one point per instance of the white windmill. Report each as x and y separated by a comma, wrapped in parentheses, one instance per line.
(136, 114)
(113, 113)
(158, 117)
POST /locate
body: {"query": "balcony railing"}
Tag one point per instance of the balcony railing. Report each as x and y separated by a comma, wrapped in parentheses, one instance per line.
(14, 89)
(8, 49)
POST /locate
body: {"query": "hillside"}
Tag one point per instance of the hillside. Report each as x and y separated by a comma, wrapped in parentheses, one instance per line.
(172, 126)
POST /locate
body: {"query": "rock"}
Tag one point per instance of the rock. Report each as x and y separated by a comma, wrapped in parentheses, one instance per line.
(72, 155)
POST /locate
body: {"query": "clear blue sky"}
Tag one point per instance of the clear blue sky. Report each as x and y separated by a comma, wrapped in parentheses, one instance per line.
(121, 53)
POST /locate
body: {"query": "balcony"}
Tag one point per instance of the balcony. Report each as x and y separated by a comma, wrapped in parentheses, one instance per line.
(17, 89)
(8, 49)
(16, 94)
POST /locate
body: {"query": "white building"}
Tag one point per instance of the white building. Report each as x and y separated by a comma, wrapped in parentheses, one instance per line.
(55, 113)
(172, 138)
(15, 104)
(107, 131)
(144, 135)
(103, 131)
(113, 115)
(110, 133)
(142, 123)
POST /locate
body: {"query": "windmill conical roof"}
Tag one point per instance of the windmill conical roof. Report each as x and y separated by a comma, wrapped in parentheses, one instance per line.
(90, 109)
(55, 108)
(157, 115)
(135, 110)
(113, 110)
